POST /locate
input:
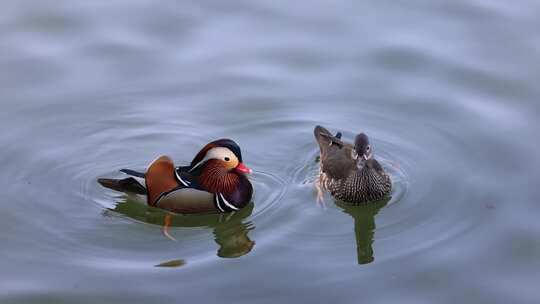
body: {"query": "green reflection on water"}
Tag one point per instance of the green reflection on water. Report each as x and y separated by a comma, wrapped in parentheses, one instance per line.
(364, 226)
(229, 229)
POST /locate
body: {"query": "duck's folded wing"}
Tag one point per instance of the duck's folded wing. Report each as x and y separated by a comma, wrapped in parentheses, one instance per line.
(372, 163)
(160, 179)
(338, 163)
(188, 200)
(336, 155)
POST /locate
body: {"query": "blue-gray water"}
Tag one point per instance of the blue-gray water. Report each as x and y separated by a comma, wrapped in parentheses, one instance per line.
(447, 90)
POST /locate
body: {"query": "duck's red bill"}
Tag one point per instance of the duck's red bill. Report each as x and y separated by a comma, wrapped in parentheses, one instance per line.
(243, 169)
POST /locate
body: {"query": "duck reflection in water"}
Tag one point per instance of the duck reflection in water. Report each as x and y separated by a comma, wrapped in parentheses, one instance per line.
(230, 229)
(364, 226)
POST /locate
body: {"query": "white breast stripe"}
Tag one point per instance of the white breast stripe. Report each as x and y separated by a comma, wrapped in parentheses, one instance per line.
(185, 183)
(227, 203)
(217, 204)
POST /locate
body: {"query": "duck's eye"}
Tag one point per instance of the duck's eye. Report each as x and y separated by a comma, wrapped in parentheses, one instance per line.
(227, 159)
(368, 148)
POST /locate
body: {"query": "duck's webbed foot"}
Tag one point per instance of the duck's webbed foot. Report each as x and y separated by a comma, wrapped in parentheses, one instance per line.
(320, 193)
(165, 228)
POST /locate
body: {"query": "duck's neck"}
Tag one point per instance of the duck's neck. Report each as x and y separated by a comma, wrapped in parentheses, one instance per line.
(214, 178)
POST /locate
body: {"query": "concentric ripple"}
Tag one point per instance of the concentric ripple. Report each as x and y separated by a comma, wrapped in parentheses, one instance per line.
(269, 189)
(284, 193)
(428, 202)
(419, 199)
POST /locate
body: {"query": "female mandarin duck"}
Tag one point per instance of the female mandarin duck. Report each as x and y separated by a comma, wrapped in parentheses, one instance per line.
(215, 181)
(350, 173)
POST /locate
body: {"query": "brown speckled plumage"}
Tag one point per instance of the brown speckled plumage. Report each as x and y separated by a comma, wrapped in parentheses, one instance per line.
(346, 174)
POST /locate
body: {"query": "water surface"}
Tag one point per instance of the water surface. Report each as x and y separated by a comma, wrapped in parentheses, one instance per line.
(447, 91)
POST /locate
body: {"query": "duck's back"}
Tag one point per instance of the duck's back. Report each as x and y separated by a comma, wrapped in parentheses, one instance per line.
(337, 162)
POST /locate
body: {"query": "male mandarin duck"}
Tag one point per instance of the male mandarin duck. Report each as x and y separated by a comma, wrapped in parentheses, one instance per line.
(350, 172)
(215, 181)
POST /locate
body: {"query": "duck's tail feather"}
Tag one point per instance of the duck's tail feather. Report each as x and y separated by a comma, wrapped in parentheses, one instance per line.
(129, 184)
(132, 173)
(327, 142)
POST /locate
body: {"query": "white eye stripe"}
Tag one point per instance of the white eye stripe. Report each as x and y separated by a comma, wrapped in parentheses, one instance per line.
(216, 153)
(219, 153)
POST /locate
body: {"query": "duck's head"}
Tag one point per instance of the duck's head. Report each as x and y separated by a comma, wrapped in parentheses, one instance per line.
(362, 148)
(222, 153)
